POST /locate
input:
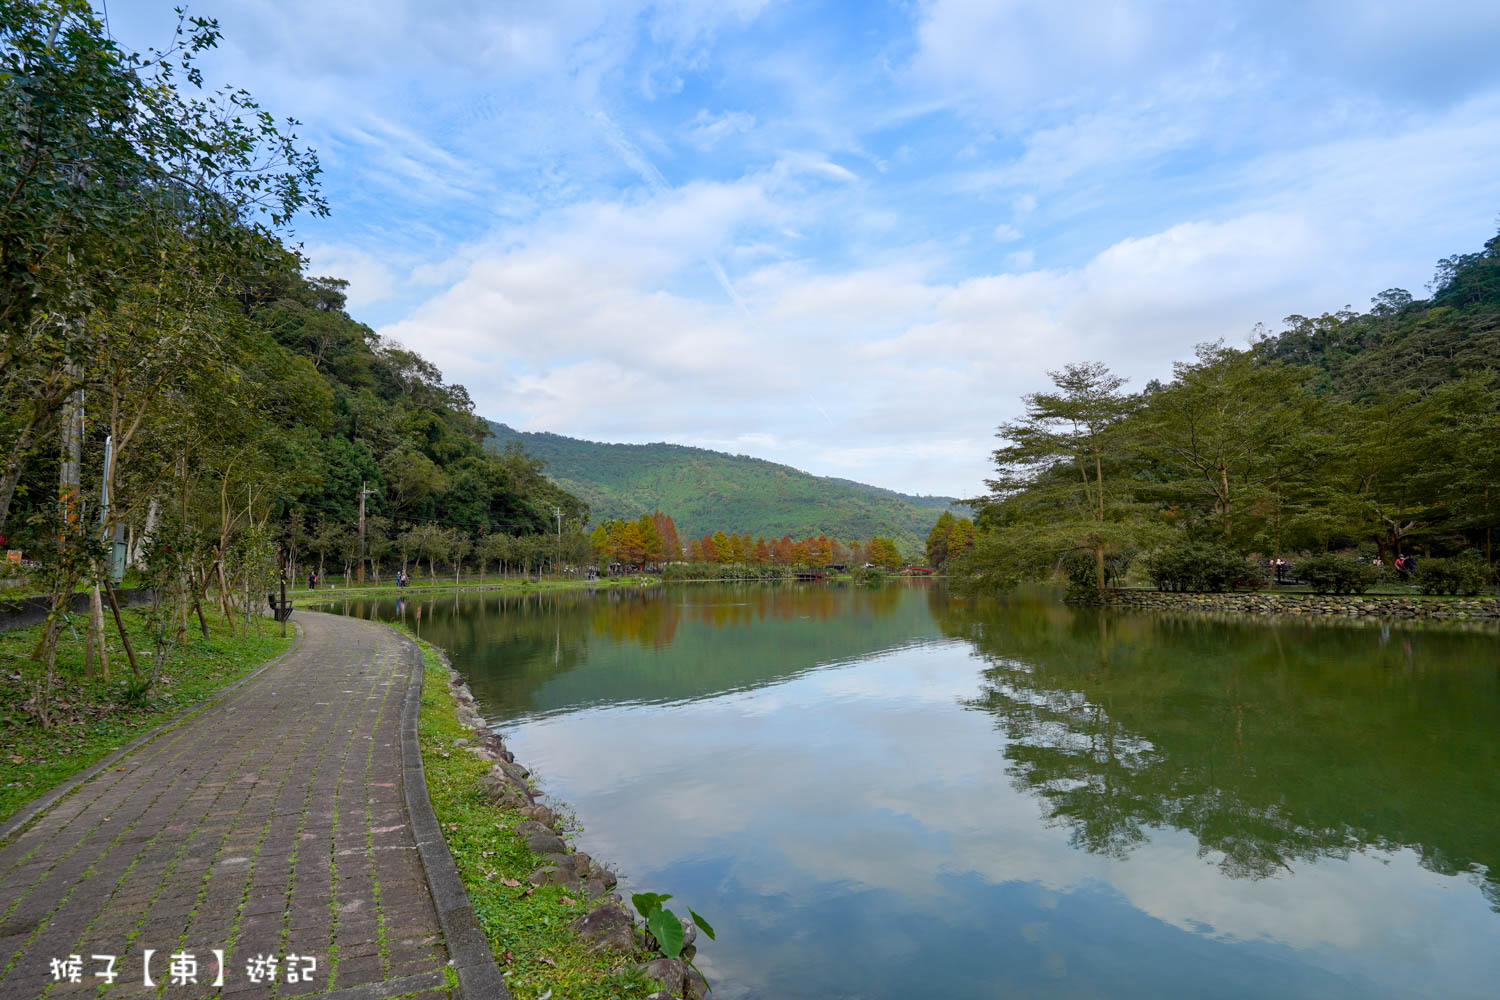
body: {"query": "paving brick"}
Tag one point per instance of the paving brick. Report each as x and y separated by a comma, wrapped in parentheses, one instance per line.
(205, 829)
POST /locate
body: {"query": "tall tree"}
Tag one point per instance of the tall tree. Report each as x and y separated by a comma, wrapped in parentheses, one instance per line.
(1059, 485)
(937, 539)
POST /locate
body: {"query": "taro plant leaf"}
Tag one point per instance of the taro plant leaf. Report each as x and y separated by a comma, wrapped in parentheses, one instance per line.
(667, 930)
(646, 902)
(703, 925)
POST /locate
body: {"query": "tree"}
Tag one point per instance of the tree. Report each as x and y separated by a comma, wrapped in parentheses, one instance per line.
(1226, 436)
(652, 548)
(378, 543)
(723, 549)
(328, 539)
(883, 552)
(460, 544)
(960, 538)
(666, 530)
(1058, 486)
(937, 540)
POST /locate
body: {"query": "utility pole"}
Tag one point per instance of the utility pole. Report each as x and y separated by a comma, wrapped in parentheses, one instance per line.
(363, 492)
(559, 539)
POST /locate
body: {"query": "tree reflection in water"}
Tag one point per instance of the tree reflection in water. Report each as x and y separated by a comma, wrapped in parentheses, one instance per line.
(1273, 743)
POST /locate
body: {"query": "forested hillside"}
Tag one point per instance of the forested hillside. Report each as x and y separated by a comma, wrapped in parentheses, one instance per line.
(706, 491)
(1377, 432)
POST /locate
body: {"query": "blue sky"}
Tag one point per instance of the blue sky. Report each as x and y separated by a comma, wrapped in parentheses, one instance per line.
(850, 237)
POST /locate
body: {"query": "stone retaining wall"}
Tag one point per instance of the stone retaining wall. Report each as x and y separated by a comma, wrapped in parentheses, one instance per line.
(1305, 604)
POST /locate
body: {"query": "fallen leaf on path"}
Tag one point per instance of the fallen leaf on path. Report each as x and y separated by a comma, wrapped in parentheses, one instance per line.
(512, 882)
(545, 960)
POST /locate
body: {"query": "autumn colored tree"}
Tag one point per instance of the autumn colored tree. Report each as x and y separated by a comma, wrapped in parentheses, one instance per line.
(961, 538)
(762, 552)
(937, 539)
(883, 552)
(666, 530)
(651, 543)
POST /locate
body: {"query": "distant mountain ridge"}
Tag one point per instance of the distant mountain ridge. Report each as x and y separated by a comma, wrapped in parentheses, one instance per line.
(708, 490)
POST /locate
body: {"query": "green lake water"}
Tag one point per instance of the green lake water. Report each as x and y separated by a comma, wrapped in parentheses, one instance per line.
(892, 794)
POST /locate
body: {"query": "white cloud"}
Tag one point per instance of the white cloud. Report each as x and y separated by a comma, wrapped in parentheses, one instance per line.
(706, 131)
(613, 301)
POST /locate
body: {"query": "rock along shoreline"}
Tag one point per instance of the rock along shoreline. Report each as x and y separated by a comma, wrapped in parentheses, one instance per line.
(607, 925)
(1345, 605)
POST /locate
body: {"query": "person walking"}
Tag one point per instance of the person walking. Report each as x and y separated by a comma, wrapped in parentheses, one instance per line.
(312, 580)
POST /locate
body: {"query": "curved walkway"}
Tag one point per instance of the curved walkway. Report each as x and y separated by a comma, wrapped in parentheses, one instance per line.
(272, 827)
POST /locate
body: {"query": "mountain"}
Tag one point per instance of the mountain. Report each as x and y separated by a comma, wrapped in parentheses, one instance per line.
(706, 490)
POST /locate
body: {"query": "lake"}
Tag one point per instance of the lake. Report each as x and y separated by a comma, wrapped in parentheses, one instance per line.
(889, 793)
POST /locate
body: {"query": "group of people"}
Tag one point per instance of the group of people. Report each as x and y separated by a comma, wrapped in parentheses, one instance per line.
(1405, 566)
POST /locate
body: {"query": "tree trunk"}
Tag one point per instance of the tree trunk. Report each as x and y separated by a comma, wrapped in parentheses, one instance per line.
(225, 602)
(137, 549)
(114, 606)
(96, 629)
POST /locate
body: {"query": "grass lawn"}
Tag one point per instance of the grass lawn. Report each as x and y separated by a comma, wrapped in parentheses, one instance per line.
(92, 718)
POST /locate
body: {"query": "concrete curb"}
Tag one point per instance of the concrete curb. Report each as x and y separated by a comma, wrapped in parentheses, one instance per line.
(23, 816)
(479, 977)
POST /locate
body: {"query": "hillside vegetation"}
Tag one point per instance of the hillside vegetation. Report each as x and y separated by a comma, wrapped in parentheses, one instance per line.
(706, 491)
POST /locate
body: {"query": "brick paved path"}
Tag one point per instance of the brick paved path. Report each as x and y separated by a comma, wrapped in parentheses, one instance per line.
(272, 824)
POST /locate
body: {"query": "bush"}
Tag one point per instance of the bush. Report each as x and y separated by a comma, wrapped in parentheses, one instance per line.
(1335, 574)
(1082, 571)
(1202, 567)
(1466, 574)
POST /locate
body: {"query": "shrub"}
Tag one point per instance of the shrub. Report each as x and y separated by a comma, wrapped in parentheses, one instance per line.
(1334, 574)
(1203, 567)
(1081, 569)
(1465, 575)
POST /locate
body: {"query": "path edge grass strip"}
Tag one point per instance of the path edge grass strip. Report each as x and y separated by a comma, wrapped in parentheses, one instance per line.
(479, 977)
(23, 817)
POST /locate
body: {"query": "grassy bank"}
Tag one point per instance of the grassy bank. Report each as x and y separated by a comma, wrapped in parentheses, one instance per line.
(93, 717)
(527, 928)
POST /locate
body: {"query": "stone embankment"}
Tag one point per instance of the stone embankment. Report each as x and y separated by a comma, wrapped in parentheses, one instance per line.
(1369, 606)
(607, 924)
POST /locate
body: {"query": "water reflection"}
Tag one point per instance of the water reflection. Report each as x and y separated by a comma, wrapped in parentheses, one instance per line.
(888, 794)
(1271, 745)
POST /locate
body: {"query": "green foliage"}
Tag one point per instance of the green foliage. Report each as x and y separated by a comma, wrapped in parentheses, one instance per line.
(723, 571)
(949, 539)
(1330, 573)
(1202, 567)
(664, 925)
(1080, 569)
(708, 490)
(1466, 574)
